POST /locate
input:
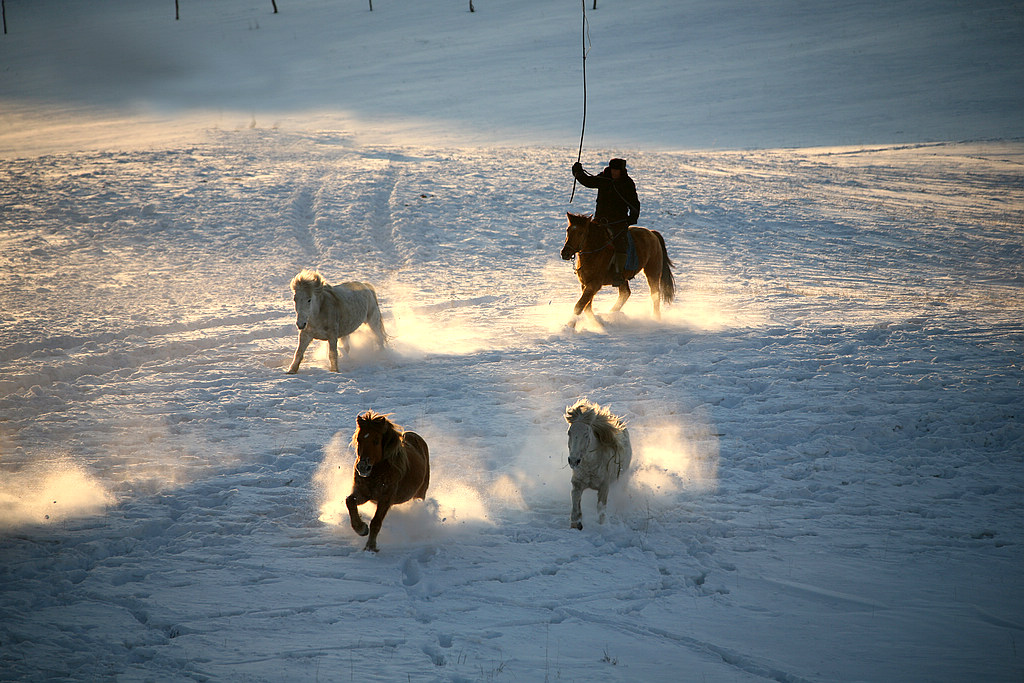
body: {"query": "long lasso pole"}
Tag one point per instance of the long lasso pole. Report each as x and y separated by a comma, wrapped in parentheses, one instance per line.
(583, 130)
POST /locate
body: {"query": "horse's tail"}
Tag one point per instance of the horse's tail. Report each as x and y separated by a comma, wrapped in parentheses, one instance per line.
(667, 285)
(625, 453)
(376, 320)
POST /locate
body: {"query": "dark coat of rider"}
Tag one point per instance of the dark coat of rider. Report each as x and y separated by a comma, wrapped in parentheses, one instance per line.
(617, 202)
(618, 207)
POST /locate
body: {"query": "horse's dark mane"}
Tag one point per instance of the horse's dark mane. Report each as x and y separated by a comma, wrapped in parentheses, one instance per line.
(389, 470)
(395, 450)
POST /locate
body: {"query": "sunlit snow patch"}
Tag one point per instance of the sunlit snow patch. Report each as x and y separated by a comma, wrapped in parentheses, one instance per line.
(671, 457)
(419, 329)
(54, 490)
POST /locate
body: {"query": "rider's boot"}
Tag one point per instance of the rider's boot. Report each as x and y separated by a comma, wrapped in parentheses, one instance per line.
(618, 270)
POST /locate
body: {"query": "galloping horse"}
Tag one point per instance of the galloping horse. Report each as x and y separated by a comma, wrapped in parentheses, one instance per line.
(590, 242)
(333, 312)
(599, 454)
(392, 467)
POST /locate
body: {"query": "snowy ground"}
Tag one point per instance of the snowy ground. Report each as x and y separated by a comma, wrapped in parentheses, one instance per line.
(827, 425)
(828, 421)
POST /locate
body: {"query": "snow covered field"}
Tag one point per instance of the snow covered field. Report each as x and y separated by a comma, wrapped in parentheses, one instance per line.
(827, 425)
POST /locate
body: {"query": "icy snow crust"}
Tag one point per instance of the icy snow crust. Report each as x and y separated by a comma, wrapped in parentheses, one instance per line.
(827, 425)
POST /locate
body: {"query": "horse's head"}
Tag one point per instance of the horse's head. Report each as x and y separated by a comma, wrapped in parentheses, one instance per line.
(591, 428)
(575, 234)
(308, 286)
(580, 436)
(375, 439)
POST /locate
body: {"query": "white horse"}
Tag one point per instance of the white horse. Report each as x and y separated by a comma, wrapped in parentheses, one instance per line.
(329, 312)
(599, 453)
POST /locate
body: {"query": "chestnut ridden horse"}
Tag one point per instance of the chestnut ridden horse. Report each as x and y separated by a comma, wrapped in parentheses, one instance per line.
(591, 243)
(392, 467)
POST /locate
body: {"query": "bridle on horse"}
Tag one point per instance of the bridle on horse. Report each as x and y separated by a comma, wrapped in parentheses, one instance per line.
(608, 243)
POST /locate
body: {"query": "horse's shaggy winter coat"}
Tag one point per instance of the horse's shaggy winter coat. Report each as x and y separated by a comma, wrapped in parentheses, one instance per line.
(392, 467)
(599, 453)
(332, 312)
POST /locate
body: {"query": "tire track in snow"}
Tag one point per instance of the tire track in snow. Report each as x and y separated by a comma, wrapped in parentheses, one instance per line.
(381, 220)
(347, 219)
(302, 215)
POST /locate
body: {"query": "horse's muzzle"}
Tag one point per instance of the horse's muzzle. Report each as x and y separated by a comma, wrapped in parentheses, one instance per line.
(363, 470)
(575, 462)
(301, 327)
(566, 255)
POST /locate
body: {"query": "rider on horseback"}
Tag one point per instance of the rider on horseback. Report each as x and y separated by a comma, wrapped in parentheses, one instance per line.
(618, 207)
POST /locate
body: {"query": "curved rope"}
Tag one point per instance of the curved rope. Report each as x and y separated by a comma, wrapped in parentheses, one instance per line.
(583, 130)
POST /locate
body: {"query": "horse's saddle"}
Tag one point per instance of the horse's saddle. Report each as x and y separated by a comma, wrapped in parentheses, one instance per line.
(632, 259)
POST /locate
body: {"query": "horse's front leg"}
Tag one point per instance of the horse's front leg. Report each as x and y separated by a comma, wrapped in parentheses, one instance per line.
(376, 523)
(624, 293)
(300, 351)
(332, 352)
(585, 306)
(576, 516)
(585, 300)
(352, 503)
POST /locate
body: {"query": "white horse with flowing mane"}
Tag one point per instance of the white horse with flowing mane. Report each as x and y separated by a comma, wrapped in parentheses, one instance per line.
(599, 453)
(332, 312)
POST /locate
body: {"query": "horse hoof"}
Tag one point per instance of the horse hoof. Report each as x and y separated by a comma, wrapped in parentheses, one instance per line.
(372, 549)
(364, 531)
(577, 525)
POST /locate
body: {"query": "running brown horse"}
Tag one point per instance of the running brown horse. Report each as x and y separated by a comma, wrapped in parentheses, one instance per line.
(591, 243)
(392, 467)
